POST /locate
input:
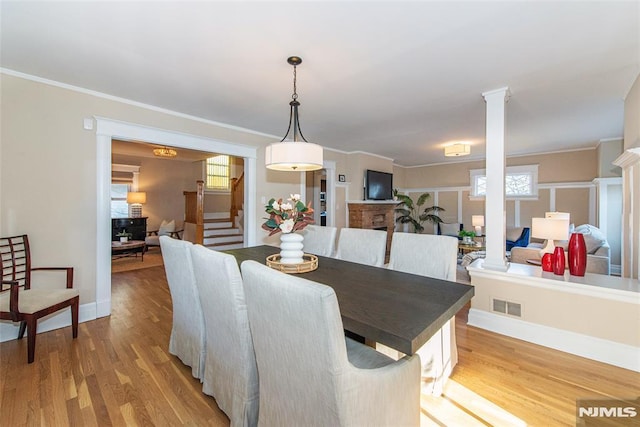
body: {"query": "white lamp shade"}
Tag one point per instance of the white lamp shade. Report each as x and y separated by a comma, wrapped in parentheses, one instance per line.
(136, 197)
(477, 220)
(550, 229)
(294, 156)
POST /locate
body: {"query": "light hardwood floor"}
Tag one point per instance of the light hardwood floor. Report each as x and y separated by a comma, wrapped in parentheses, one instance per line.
(119, 372)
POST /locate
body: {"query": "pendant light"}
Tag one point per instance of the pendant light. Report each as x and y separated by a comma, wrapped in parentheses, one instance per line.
(294, 153)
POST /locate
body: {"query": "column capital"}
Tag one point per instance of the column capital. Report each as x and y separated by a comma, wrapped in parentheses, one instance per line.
(503, 92)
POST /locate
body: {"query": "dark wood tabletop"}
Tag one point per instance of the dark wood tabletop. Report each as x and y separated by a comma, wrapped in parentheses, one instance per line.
(399, 310)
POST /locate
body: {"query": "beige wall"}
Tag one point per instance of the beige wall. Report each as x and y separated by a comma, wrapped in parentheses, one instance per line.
(607, 152)
(164, 181)
(574, 166)
(632, 116)
(48, 168)
(357, 164)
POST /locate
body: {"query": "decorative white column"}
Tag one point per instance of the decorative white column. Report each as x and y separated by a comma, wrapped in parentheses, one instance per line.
(629, 161)
(495, 215)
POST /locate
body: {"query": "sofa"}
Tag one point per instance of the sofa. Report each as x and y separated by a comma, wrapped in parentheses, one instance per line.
(598, 250)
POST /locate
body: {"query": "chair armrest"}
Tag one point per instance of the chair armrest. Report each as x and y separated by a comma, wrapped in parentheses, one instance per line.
(176, 234)
(13, 297)
(598, 264)
(520, 255)
(152, 232)
(69, 271)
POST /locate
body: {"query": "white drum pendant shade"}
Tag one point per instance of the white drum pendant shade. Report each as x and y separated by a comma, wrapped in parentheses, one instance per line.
(294, 156)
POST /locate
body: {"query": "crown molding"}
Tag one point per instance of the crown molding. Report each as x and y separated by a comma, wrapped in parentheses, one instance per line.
(102, 95)
(630, 157)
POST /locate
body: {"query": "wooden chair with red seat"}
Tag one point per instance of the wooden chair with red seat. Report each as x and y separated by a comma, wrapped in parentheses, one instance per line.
(27, 305)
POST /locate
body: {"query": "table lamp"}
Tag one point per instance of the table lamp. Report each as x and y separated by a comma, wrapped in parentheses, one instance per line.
(478, 222)
(550, 229)
(136, 199)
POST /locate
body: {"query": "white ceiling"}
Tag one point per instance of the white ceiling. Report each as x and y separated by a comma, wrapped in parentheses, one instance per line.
(398, 79)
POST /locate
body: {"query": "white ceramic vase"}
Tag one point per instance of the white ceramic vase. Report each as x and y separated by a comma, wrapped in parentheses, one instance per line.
(291, 248)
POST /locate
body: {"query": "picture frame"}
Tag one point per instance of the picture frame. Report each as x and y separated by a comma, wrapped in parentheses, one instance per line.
(341, 178)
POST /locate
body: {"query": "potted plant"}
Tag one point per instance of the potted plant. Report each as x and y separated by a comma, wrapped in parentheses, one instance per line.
(467, 236)
(124, 236)
(410, 212)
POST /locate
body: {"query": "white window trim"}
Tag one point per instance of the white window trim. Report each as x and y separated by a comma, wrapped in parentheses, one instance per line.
(510, 170)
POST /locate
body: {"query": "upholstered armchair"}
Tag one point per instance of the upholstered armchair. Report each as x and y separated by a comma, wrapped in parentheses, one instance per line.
(517, 237)
(167, 228)
(310, 374)
(320, 240)
(187, 340)
(362, 245)
(431, 256)
(230, 372)
(19, 302)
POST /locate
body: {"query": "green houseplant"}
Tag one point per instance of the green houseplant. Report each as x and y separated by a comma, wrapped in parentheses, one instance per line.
(124, 236)
(467, 236)
(409, 212)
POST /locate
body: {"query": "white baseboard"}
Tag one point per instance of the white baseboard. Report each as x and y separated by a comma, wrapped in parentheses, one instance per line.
(613, 353)
(60, 319)
(616, 270)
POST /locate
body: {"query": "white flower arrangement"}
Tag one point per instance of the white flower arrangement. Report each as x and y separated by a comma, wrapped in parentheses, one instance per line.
(287, 217)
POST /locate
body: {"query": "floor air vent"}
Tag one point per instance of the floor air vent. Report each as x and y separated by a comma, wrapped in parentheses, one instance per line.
(507, 307)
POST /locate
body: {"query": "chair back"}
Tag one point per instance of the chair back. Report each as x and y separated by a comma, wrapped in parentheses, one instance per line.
(363, 246)
(425, 255)
(230, 374)
(319, 240)
(450, 229)
(187, 339)
(16, 260)
(299, 345)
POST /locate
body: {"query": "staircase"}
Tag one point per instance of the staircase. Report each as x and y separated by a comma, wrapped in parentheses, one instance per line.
(222, 234)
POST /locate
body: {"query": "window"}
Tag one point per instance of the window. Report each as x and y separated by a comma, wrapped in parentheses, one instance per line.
(520, 182)
(119, 206)
(218, 172)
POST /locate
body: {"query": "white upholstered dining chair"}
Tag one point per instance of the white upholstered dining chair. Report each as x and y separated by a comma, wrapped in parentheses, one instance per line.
(230, 373)
(432, 256)
(319, 240)
(362, 245)
(310, 374)
(187, 340)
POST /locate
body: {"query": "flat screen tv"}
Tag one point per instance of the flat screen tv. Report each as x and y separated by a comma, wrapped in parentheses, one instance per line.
(378, 185)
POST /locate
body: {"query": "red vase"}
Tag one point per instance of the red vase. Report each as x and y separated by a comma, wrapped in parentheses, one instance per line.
(547, 262)
(558, 261)
(577, 255)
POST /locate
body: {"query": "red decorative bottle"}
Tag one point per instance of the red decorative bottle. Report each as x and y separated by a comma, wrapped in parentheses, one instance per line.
(547, 262)
(558, 261)
(577, 255)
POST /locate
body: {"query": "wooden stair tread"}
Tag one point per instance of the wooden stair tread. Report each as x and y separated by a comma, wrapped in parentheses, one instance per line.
(213, 236)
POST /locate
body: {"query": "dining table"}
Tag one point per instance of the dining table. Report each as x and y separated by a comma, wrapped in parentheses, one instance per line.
(399, 310)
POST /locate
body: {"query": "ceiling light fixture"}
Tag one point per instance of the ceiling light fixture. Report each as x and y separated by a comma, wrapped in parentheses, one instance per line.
(165, 152)
(457, 149)
(296, 154)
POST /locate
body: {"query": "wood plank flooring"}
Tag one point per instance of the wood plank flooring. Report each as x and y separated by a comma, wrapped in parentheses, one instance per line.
(119, 373)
